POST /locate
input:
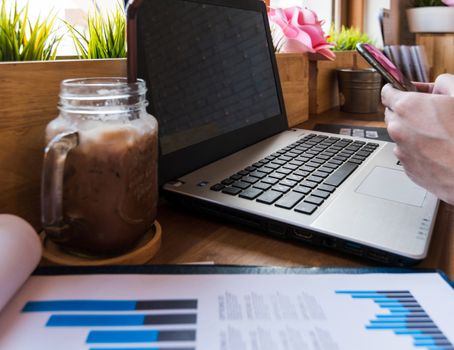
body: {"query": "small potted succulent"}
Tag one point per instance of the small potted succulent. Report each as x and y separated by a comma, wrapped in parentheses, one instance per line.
(324, 90)
(431, 16)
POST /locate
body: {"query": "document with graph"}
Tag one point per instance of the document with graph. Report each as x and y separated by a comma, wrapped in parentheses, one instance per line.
(232, 310)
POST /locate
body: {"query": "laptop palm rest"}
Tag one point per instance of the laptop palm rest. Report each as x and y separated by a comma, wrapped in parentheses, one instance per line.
(393, 185)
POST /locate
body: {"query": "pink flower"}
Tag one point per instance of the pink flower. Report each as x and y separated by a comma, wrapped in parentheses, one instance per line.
(298, 30)
(448, 2)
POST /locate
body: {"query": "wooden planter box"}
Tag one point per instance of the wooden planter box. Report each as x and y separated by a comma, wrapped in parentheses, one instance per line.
(28, 101)
(323, 86)
(294, 77)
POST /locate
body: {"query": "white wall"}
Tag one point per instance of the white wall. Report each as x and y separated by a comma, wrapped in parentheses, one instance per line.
(371, 24)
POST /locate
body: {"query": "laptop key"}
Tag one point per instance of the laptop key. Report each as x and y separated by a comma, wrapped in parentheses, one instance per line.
(276, 175)
(270, 180)
(287, 182)
(321, 194)
(289, 200)
(265, 169)
(236, 177)
(269, 197)
(313, 200)
(262, 186)
(217, 187)
(258, 174)
(305, 208)
(339, 176)
(319, 173)
(302, 189)
(284, 171)
(327, 188)
(309, 184)
(250, 179)
(281, 188)
(231, 190)
(241, 184)
(251, 193)
(315, 179)
(227, 181)
(294, 177)
(325, 170)
(273, 165)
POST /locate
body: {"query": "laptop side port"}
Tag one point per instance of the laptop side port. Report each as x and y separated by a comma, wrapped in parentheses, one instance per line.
(277, 229)
(329, 242)
(353, 248)
(302, 234)
(378, 256)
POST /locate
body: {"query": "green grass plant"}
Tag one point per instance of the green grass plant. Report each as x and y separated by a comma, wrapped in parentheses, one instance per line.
(347, 38)
(105, 36)
(21, 40)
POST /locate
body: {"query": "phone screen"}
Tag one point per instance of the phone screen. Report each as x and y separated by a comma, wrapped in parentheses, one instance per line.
(385, 67)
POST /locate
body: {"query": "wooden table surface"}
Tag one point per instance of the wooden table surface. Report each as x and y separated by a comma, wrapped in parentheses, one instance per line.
(189, 237)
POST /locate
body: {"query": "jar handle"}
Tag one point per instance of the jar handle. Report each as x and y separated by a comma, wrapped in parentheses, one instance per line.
(52, 183)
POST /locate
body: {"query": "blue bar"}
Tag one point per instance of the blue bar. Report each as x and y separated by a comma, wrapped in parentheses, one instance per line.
(408, 331)
(433, 336)
(95, 320)
(142, 349)
(122, 337)
(402, 320)
(401, 326)
(392, 316)
(79, 305)
(432, 343)
(372, 292)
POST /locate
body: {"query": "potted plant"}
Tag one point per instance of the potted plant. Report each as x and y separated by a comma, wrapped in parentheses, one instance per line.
(431, 16)
(324, 93)
(297, 32)
(29, 86)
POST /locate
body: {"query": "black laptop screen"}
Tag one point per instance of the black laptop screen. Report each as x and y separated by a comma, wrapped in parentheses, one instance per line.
(209, 71)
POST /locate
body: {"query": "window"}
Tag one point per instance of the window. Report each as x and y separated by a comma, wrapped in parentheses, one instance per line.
(73, 11)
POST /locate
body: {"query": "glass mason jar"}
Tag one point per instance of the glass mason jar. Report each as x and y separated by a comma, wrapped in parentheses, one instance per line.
(99, 184)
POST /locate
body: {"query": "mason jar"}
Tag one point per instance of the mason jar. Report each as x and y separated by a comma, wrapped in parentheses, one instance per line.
(99, 187)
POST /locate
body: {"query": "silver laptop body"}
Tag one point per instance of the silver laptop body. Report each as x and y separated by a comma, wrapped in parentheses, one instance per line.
(214, 88)
(377, 212)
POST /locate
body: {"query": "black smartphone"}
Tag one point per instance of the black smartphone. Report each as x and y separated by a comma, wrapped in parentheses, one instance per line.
(385, 67)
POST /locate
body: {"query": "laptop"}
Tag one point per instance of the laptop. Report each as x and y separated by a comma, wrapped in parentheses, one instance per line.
(226, 150)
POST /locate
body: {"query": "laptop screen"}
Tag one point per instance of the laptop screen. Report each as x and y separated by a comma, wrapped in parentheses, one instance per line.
(211, 74)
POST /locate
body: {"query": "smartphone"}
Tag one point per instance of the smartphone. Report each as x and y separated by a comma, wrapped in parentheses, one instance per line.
(385, 67)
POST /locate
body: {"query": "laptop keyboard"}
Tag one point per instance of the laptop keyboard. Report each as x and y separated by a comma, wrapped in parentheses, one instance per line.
(301, 176)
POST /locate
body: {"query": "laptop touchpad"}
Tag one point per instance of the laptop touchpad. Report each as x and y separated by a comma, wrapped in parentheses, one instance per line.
(393, 185)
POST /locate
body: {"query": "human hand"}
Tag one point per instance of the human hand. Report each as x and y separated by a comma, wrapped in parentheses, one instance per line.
(422, 125)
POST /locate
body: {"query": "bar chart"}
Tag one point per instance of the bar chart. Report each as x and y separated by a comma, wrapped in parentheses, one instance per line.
(110, 315)
(404, 316)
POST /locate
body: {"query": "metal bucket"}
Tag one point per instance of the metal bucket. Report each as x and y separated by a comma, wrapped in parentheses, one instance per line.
(359, 90)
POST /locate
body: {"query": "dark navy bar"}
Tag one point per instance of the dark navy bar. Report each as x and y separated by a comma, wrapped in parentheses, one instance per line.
(79, 305)
(107, 305)
(139, 336)
(119, 320)
(166, 304)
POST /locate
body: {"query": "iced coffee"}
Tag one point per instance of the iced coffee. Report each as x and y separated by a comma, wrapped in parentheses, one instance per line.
(109, 187)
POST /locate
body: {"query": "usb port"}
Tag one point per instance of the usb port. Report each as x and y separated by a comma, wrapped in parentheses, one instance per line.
(377, 256)
(353, 248)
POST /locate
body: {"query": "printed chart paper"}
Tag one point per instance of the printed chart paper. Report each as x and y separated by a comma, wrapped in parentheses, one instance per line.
(231, 312)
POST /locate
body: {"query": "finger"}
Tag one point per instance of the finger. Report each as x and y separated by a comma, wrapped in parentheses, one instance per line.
(444, 85)
(424, 87)
(390, 96)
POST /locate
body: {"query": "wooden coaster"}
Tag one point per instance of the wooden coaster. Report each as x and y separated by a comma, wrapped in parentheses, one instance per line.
(144, 251)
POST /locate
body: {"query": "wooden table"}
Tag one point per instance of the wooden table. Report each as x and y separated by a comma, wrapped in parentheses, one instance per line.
(189, 237)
